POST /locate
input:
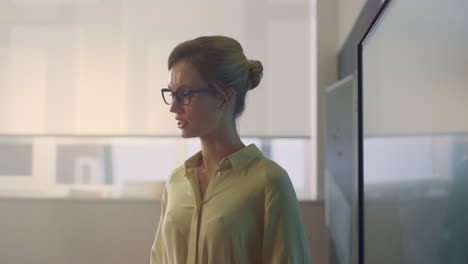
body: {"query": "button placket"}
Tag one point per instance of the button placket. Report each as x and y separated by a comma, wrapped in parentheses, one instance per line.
(212, 185)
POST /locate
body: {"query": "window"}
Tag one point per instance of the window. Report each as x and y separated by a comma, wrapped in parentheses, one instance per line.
(81, 80)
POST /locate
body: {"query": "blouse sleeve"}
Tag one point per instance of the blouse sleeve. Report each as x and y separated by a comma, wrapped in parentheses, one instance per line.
(157, 251)
(284, 239)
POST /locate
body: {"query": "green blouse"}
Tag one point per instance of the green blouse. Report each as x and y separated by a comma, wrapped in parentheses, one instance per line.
(249, 214)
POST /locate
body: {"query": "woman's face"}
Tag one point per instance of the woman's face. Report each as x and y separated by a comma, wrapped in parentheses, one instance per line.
(202, 117)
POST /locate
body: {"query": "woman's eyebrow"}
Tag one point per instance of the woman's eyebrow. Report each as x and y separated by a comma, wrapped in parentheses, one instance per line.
(182, 87)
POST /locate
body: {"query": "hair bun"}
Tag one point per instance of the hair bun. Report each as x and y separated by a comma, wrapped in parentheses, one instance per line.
(255, 73)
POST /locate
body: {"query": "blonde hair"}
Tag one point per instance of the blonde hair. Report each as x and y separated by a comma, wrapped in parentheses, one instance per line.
(222, 64)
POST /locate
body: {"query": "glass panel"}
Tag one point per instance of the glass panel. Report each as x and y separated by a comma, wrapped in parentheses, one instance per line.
(15, 157)
(415, 134)
(87, 67)
(83, 164)
(66, 65)
(293, 156)
(121, 166)
(341, 169)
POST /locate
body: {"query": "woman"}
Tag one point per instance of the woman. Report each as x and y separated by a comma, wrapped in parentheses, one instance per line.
(227, 203)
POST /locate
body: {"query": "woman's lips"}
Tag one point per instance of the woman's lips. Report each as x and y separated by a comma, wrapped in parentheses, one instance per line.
(181, 124)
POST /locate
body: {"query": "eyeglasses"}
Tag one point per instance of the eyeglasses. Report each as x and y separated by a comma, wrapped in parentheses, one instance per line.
(183, 96)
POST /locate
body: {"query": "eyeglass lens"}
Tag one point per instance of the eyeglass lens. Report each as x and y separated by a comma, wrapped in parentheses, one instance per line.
(183, 97)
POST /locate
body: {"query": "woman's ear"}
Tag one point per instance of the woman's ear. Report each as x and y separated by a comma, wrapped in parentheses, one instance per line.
(229, 97)
(231, 93)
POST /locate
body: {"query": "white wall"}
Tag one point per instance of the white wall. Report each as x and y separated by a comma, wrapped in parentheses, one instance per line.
(348, 12)
(335, 19)
(327, 42)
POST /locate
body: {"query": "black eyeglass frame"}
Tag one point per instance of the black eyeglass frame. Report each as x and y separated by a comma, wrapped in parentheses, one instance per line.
(186, 92)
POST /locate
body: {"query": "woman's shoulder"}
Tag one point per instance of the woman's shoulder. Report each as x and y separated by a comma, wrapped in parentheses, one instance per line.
(276, 180)
(176, 174)
(270, 170)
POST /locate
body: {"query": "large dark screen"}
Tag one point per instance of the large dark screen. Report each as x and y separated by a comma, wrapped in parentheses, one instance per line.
(414, 87)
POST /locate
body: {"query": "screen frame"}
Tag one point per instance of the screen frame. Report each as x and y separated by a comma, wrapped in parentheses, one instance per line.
(360, 130)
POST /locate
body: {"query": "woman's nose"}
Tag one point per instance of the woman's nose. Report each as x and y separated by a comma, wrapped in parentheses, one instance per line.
(176, 107)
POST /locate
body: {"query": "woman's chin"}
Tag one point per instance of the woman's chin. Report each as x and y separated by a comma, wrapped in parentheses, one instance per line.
(186, 134)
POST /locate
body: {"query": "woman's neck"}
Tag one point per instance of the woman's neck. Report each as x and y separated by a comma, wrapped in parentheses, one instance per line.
(216, 148)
